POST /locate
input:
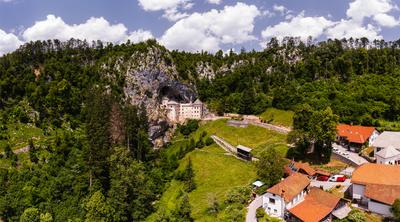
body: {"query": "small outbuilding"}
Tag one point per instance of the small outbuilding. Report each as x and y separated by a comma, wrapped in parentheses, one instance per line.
(244, 152)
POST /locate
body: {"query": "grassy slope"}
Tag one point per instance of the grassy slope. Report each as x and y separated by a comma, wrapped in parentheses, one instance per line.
(20, 134)
(254, 137)
(278, 117)
(215, 173)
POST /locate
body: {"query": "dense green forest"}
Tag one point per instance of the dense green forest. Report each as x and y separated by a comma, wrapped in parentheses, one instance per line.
(358, 79)
(94, 160)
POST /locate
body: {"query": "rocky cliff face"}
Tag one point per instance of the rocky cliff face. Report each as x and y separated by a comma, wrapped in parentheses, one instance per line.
(148, 77)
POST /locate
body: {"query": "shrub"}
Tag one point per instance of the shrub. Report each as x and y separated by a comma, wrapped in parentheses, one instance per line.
(260, 213)
(209, 141)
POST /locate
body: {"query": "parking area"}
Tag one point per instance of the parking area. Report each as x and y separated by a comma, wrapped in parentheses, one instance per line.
(329, 185)
(343, 152)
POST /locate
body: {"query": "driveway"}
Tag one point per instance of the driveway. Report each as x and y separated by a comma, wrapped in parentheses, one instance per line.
(329, 185)
(354, 157)
(252, 208)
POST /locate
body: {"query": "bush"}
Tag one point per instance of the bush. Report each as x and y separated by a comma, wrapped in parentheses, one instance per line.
(190, 127)
(213, 205)
(238, 195)
(396, 209)
(260, 213)
(357, 216)
(209, 141)
(200, 144)
(203, 134)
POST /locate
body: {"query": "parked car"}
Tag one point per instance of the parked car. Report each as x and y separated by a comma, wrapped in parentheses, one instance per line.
(323, 178)
(337, 178)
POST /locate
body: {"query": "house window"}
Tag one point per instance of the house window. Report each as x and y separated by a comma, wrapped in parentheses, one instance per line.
(271, 201)
(275, 211)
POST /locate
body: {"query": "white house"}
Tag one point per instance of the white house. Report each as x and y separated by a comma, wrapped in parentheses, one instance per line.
(387, 148)
(286, 194)
(389, 155)
(179, 112)
(376, 186)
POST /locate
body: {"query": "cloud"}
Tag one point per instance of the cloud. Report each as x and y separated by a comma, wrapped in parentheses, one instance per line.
(359, 9)
(386, 20)
(298, 26)
(217, 2)
(170, 7)
(93, 29)
(354, 25)
(8, 42)
(279, 8)
(54, 27)
(351, 28)
(140, 36)
(207, 31)
(377, 9)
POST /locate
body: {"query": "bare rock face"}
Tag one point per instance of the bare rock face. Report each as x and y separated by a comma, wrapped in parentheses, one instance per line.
(150, 76)
(206, 71)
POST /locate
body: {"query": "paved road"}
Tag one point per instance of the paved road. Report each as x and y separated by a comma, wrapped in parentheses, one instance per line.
(354, 157)
(252, 208)
(329, 185)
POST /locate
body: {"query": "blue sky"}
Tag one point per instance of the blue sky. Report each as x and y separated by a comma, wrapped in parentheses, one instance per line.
(196, 25)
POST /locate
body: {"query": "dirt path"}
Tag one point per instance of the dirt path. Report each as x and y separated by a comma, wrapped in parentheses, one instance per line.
(278, 129)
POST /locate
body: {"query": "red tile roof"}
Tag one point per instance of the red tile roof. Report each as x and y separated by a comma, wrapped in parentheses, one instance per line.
(383, 193)
(355, 134)
(290, 187)
(370, 173)
(316, 206)
(304, 168)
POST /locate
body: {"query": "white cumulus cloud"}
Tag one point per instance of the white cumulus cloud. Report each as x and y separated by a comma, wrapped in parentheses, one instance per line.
(93, 29)
(298, 26)
(359, 9)
(279, 8)
(386, 20)
(207, 31)
(8, 42)
(351, 28)
(140, 36)
(54, 27)
(171, 8)
(217, 2)
(364, 19)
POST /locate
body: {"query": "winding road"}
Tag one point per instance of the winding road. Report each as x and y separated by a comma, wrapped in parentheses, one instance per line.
(252, 209)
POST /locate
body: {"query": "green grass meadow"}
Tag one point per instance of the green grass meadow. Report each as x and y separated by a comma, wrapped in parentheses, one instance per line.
(278, 117)
(255, 137)
(216, 173)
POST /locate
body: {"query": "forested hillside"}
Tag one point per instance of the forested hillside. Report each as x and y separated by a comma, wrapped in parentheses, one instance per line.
(92, 113)
(358, 79)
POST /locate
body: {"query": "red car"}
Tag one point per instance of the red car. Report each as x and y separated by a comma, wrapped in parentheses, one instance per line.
(323, 178)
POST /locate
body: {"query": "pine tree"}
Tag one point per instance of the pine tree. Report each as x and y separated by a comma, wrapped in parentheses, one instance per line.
(190, 184)
(98, 135)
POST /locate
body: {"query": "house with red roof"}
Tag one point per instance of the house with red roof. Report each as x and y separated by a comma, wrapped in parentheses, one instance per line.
(355, 137)
(293, 199)
(376, 187)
